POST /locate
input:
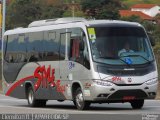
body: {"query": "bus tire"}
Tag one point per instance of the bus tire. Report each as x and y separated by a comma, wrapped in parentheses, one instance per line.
(79, 101)
(32, 101)
(137, 104)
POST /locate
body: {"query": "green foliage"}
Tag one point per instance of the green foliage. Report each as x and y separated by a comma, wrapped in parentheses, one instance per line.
(132, 2)
(0, 55)
(69, 1)
(22, 12)
(149, 26)
(108, 11)
(101, 9)
(132, 18)
(50, 11)
(68, 13)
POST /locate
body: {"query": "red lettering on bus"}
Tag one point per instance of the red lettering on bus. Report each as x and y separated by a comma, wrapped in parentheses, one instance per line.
(46, 77)
(60, 88)
(116, 78)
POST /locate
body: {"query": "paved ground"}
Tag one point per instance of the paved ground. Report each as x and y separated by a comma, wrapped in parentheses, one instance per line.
(18, 106)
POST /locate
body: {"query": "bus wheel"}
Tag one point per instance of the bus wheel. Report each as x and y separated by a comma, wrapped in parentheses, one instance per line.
(32, 101)
(80, 103)
(137, 104)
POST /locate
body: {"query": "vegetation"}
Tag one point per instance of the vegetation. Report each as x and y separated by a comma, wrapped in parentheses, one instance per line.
(132, 2)
(101, 9)
(22, 12)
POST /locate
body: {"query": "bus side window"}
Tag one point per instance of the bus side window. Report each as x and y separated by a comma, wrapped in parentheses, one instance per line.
(75, 53)
(50, 46)
(16, 49)
(35, 46)
(78, 48)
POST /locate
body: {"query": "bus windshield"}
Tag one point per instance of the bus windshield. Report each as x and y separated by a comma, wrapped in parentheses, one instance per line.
(120, 45)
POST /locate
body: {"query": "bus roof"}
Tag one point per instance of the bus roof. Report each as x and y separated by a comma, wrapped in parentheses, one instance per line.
(67, 23)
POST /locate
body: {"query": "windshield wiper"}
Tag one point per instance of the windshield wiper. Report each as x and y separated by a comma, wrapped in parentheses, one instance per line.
(107, 57)
(124, 61)
(137, 56)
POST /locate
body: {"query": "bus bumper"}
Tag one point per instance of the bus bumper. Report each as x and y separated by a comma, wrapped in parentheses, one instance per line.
(121, 93)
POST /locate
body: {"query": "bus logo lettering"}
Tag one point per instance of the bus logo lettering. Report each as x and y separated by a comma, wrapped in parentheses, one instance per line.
(116, 79)
(45, 76)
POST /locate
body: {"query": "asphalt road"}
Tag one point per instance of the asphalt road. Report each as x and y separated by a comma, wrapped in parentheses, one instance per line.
(10, 105)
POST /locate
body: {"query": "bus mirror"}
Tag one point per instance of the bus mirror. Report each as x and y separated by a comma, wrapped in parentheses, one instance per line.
(152, 40)
(82, 45)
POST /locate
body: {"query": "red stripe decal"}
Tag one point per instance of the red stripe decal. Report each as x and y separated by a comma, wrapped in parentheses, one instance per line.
(17, 84)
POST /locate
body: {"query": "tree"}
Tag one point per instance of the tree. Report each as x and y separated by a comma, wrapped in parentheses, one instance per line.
(101, 9)
(22, 12)
(68, 13)
(51, 11)
(108, 11)
(132, 18)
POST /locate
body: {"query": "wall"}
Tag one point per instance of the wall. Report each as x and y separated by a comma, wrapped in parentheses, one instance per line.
(151, 12)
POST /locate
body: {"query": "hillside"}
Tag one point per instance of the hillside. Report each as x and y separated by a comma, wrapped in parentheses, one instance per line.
(132, 2)
(128, 2)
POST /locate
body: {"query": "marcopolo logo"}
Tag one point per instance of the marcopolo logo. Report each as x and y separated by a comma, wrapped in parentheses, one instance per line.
(129, 80)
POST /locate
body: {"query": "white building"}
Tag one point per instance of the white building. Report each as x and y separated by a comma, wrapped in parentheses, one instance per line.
(149, 9)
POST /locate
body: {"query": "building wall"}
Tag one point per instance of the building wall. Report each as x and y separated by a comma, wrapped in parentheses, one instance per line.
(151, 12)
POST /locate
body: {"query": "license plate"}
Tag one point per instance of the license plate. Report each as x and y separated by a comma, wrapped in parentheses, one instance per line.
(129, 97)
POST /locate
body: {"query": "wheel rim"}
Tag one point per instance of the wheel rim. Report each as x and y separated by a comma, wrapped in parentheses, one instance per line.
(30, 97)
(79, 99)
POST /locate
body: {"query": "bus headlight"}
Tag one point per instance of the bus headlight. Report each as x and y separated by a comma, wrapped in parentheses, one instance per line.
(103, 83)
(151, 81)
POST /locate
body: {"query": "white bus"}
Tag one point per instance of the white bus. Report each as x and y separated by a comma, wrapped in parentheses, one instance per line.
(85, 61)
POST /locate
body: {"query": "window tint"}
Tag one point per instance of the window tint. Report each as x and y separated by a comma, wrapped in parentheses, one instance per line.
(112, 43)
(77, 47)
(51, 46)
(16, 49)
(35, 46)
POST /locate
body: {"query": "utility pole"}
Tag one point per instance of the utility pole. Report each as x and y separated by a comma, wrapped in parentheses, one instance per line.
(4, 17)
(73, 9)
